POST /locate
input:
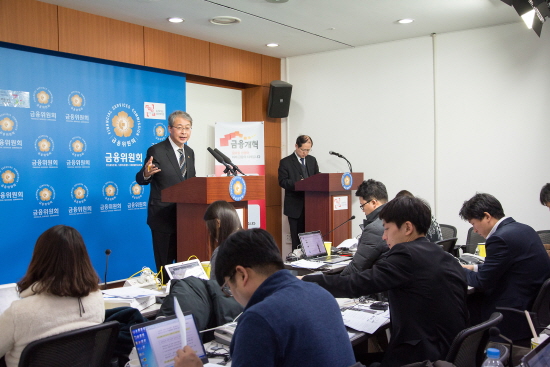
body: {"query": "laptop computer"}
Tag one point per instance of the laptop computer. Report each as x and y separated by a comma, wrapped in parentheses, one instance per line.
(313, 248)
(184, 269)
(157, 341)
(538, 357)
(8, 294)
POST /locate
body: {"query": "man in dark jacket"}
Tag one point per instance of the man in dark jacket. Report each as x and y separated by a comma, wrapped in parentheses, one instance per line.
(372, 197)
(297, 166)
(426, 286)
(515, 267)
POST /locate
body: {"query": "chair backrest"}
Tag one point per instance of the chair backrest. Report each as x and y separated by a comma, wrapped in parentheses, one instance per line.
(448, 231)
(544, 236)
(541, 306)
(468, 347)
(448, 244)
(472, 240)
(91, 347)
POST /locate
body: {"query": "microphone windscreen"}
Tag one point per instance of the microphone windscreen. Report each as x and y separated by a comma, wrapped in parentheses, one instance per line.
(107, 252)
(352, 217)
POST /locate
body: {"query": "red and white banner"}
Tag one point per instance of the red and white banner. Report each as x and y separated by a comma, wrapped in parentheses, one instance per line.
(243, 142)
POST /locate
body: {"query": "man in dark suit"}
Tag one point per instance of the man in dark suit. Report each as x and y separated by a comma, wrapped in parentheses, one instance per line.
(515, 267)
(296, 167)
(426, 286)
(167, 163)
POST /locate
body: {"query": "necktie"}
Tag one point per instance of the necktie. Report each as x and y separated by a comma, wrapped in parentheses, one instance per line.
(183, 169)
(304, 169)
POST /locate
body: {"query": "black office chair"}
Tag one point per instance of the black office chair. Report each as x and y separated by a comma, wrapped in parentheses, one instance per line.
(448, 245)
(540, 312)
(88, 347)
(448, 231)
(544, 236)
(468, 347)
(472, 240)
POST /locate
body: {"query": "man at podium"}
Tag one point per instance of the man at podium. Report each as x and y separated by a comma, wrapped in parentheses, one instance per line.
(297, 166)
(167, 163)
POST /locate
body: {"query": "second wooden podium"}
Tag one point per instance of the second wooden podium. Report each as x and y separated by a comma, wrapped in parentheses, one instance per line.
(328, 204)
(193, 197)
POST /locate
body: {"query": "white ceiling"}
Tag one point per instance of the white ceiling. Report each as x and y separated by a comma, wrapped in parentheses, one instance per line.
(303, 27)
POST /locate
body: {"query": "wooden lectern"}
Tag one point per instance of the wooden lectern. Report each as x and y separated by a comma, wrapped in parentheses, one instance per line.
(320, 209)
(193, 197)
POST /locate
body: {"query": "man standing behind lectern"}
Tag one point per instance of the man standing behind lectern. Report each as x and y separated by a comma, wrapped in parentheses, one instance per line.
(167, 163)
(297, 166)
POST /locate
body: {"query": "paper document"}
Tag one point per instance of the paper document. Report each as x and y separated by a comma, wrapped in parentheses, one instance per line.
(365, 321)
(307, 264)
(181, 320)
(130, 292)
(349, 243)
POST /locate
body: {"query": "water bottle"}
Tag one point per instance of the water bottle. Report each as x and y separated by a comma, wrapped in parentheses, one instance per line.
(493, 355)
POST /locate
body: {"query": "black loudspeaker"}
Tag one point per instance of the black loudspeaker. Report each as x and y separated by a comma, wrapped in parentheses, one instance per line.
(279, 99)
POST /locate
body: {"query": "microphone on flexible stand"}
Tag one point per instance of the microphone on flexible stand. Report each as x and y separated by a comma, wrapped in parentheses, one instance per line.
(107, 253)
(216, 156)
(341, 156)
(335, 228)
(228, 160)
(495, 332)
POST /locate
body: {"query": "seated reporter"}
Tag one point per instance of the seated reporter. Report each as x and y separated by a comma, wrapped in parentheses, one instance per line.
(59, 293)
(286, 322)
(372, 198)
(426, 286)
(515, 267)
(221, 220)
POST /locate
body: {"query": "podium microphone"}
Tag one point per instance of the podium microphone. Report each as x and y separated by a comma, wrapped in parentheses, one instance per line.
(341, 156)
(228, 160)
(221, 160)
(335, 228)
(107, 253)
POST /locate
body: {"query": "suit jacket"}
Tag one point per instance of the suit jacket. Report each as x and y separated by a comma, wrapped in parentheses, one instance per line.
(290, 171)
(515, 267)
(427, 294)
(162, 216)
(370, 246)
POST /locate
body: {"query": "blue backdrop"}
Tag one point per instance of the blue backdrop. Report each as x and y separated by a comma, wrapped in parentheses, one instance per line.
(73, 134)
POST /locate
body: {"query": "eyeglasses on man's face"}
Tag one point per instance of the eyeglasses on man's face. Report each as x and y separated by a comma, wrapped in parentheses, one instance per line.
(226, 290)
(365, 203)
(182, 128)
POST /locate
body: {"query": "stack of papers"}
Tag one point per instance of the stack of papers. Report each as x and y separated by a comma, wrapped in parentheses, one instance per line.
(135, 297)
(362, 318)
(307, 264)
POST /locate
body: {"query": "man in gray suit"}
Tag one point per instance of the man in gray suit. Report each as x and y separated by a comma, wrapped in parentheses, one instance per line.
(167, 163)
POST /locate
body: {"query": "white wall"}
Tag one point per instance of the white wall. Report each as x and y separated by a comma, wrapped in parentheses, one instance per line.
(482, 127)
(493, 92)
(208, 105)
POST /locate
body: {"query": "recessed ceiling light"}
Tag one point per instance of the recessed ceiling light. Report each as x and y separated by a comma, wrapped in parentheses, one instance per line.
(175, 20)
(224, 20)
(272, 45)
(405, 21)
(276, 1)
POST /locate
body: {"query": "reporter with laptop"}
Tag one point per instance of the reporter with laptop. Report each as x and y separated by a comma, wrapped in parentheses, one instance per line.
(285, 322)
(372, 198)
(426, 286)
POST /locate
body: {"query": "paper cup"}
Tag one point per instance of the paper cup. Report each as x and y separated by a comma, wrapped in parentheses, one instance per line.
(206, 267)
(481, 249)
(534, 344)
(328, 247)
